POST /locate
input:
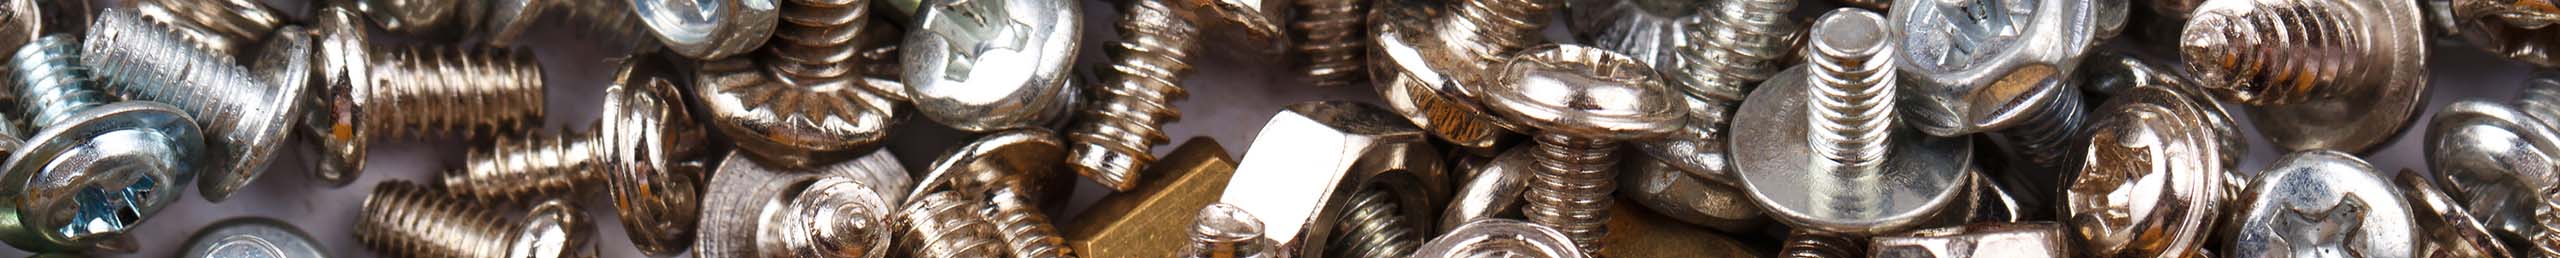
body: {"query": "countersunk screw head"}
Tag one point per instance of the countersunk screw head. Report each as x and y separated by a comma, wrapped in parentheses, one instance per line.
(1584, 91)
(985, 66)
(1258, 24)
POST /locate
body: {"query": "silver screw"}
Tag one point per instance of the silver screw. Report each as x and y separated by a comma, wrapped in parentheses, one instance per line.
(940, 224)
(709, 29)
(252, 238)
(771, 116)
(1852, 83)
(1114, 138)
(368, 91)
(1612, 98)
(985, 66)
(1738, 46)
(1008, 169)
(1374, 226)
(838, 210)
(1811, 244)
(501, 22)
(2514, 29)
(1328, 35)
(247, 117)
(240, 21)
(95, 167)
(1224, 230)
(2446, 228)
(2472, 146)
(404, 218)
(2306, 90)
(645, 152)
(818, 37)
(1502, 238)
(1430, 74)
(2153, 171)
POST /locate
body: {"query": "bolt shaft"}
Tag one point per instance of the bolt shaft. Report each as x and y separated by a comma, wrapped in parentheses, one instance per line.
(1225, 231)
(2541, 99)
(1328, 34)
(2045, 136)
(1112, 142)
(1491, 29)
(1375, 227)
(1805, 244)
(241, 20)
(1569, 189)
(2275, 52)
(1027, 232)
(411, 220)
(1852, 95)
(468, 91)
(142, 60)
(528, 166)
(50, 83)
(817, 38)
(941, 224)
(1737, 47)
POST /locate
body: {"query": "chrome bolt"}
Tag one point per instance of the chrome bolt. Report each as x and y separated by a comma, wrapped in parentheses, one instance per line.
(1303, 189)
(710, 29)
(984, 66)
(941, 224)
(1003, 172)
(409, 219)
(788, 124)
(2448, 229)
(2320, 203)
(2305, 90)
(1225, 231)
(502, 23)
(1502, 238)
(1327, 33)
(252, 238)
(1432, 75)
(646, 152)
(365, 91)
(1583, 101)
(1741, 44)
(1810, 244)
(2001, 67)
(2154, 181)
(1851, 96)
(246, 116)
(1114, 137)
(1916, 178)
(96, 167)
(837, 210)
(2490, 155)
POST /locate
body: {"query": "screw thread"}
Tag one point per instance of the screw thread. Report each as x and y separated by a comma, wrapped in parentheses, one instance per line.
(189, 30)
(2542, 99)
(1375, 227)
(466, 91)
(829, 219)
(1501, 26)
(817, 38)
(1570, 188)
(1737, 47)
(2275, 52)
(50, 83)
(410, 219)
(1851, 100)
(1328, 34)
(2547, 242)
(1025, 230)
(2044, 138)
(1112, 142)
(243, 20)
(1806, 244)
(527, 166)
(144, 60)
(1225, 231)
(942, 225)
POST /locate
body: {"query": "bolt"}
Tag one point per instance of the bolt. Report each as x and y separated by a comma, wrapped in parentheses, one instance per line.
(501, 22)
(710, 29)
(1583, 101)
(1927, 177)
(2479, 149)
(645, 151)
(251, 237)
(232, 22)
(2153, 180)
(367, 90)
(787, 124)
(247, 117)
(1113, 140)
(202, 37)
(2307, 91)
(2001, 67)
(23, 21)
(1328, 35)
(837, 210)
(1224, 230)
(2320, 203)
(941, 224)
(2023, 240)
(405, 218)
(95, 167)
(1738, 46)
(1502, 238)
(1432, 75)
(985, 66)
(2449, 229)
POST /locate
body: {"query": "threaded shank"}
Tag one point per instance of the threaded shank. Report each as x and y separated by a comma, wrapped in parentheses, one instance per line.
(240, 20)
(189, 30)
(1112, 141)
(1736, 47)
(1485, 32)
(2275, 52)
(2045, 138)
(143, 60)
(1803, 244)
(816, 39)
(1225, 231)
(2541, 99)
(1375, 227)
(527, 166)
(410, 220)
(50, 83)
(1025, 230)
(1570, 188)
(1852, 94)
(942, 225)
(466, 91)
(1328, 35)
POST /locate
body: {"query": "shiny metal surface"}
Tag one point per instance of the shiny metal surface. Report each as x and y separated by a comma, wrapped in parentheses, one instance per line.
(1132, 223)
(2518, 30)
(2320, 203)
(1581, 101)
(2349, 97)
(1225, 231)
(1300, 187)
(1925, 178)
(252, 238)
(709, 29)
(645, 152)
(1636, 232)
(1491, 190)
(2013, 240)
(985, 66)
(1985, 65)
(1114, 136)
(791, 125)
(1501, 238)
(404, 218)
(1741, 44)
(2494, 158)
(1812, 244)
(245, 123)
(1003, 172)
(2446, 229)
(836, 210)
(940, 224)
(1671, 193)
(1430, 58)
(818, 41)
(1329, 34)
(1851, 84)
(2153, 183)
(364, 90)
(95, 168)
(1249, 28)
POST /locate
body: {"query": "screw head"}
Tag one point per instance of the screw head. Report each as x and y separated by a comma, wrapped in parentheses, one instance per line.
(252, 238)
(985, 66)
(2449, 229)
(1584, 91)
(100, 172)
(1923, 179)
(554, 229)
(1971, 66)
(1417, 76)
(658, 158)
(341, 97)
(2493, 154)
(2152, 182)
(2320, 204)
(1260, 25)
(709, 29)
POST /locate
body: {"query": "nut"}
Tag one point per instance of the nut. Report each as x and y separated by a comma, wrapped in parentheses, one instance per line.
(1492, 189)
(1132, 223)
(1299, 186)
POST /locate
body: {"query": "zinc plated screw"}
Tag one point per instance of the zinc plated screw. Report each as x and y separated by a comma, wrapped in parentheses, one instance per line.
(2309, 88)
(2490, 153)
(1374, 226)
(409, 219)
(96, 167)
(247, 117)
(502, 22)
(710, 29)
(1114, 138)
(1584, 101)
(1738, 46)
(1225, 231)
(367, 91)
(1432, 75)
(1008, 169)
(645, 151)
(224, 26)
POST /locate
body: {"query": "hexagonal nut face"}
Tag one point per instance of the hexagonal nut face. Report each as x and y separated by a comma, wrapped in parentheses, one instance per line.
(554, 229)
(2494, 155)
(1314, 155)
(1977, 65)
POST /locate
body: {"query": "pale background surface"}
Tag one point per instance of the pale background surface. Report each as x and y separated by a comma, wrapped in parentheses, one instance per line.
(1246, 93)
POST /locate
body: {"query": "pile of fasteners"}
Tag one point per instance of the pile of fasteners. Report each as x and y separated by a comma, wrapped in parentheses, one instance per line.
(1675, 128)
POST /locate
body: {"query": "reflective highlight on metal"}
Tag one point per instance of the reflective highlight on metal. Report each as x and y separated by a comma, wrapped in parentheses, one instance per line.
(2013, 240)
(2320, 203)
(1131, 223)
(2304, 90)
(1301, 187)
(1925, 180)
(984, 66)
(252, 238)
(1501, 238)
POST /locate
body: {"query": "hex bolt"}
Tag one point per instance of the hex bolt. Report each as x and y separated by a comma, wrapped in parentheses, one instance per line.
(2483, 150)
(838, 210)
(940, 224)
(711, 29)
(646, 152)
(502, 23)
(368, 91)
(409, 219)
(1584, 101)
(1735, 48)
(252, 237)
(1502, 238)
(1327, 33)
(1008, 170)
(1114, 138)
(246, 117)
(985, 66)
(2155, 176)
(1432, 75)
(95, 167)
(1811, 244)
(1795, 181)
(2002, 68)
(1224, 230)
(2307, 91)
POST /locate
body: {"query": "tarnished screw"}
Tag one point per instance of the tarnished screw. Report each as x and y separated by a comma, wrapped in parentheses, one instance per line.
(2490, 154)
(2001, 67)
(408, 219)
(501, 23)
(1007, 169)
(252, 238)
(95, 168)
(1917, 179)
(367, 91)
(1583, 101)
(837, 210)
(710, 29)
(2305, 89)
(2446, 228)
(1432, 75)
(941, 224)
(1502, 238)
(1226, 231)
(246, 116)
(817, 39)
(645, 151)
(2320, 203)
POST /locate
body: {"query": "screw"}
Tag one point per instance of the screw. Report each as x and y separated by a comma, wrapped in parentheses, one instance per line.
(1739, 45)
(941, 224)
(789, 124)
(367, 90)
(237, 22)
(95, 167)
(710, 29)
(2015, 239)
(1809, 191)
(1584, 100)
(818, 37)
(1811, 244)
(252, 238)
(828, 211)
(1007, 169)
(1502, 238)
(1431, 75)
(1224, 230)
(1328, 34)
(645, 152)
(188, 30)
(405, 218)
(1375, 227)
(247, 117)
(2283, 59)
(502, 22)
(2477, 148)
(1113, 140)
(985, 66)
(1852, 83)
(2154, 177)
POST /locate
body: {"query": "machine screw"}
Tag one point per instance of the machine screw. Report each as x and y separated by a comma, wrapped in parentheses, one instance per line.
(223, 26)
(2485, 151)
(2306, 90)
(1916, 179)
(2155, 178)
(1741, 44)
(367, 90)
(2317, 203)
(1502, 238)
(818, 38)
(837, 210)
(1223, 230)
(95, 168)
(1114, 138)
(405, 218)
(711, 29)
(252, 238)
(1007, 169)
(985, 66)
(2001, 67)
(1610, 98)
(246, 117)
(1375, 227)
(788, 124)
(941, 224)
(645, 151)
(2449, 230)
(1328, 35)
(1432, 75)
(501, 22)
(2018, 240)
